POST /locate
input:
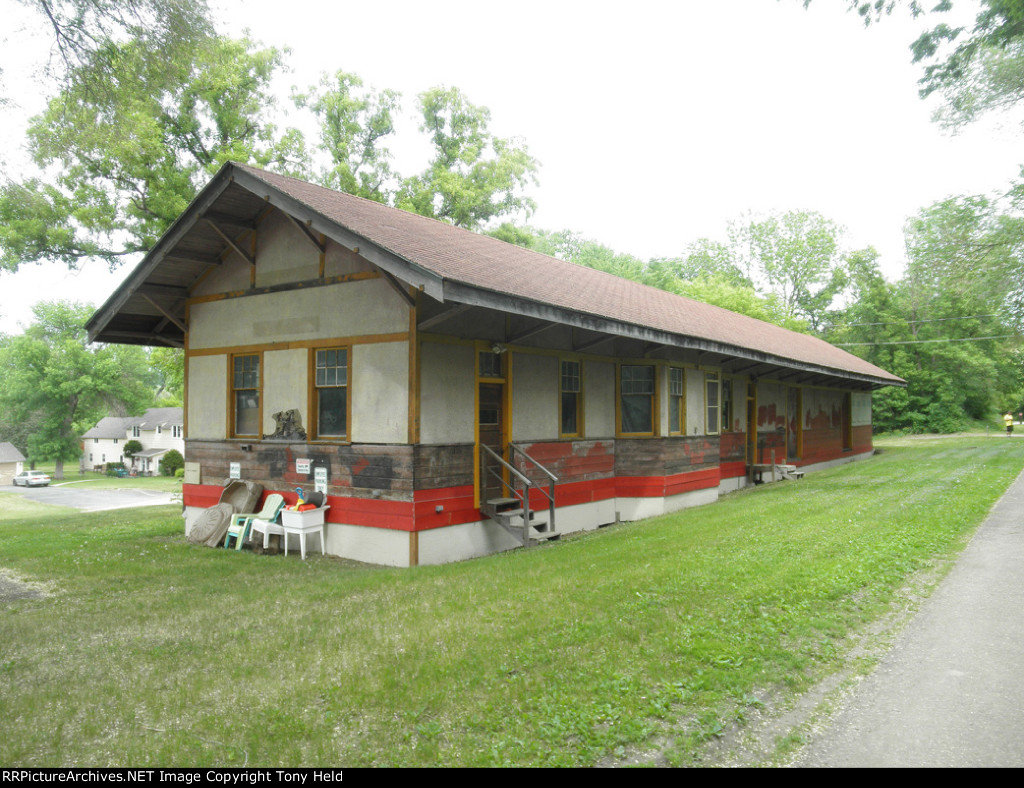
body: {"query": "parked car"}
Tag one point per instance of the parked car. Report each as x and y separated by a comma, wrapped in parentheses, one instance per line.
(32, 479)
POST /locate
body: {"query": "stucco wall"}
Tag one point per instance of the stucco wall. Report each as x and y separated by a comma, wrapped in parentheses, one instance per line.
(447, 378)
(535, 397)
(599, 399)
(207, 397)
(695, 410)
(282, 254)
(380, 392)
(346, 309)
(285, 385)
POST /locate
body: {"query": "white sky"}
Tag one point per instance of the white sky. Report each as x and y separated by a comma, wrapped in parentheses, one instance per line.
(655, 122)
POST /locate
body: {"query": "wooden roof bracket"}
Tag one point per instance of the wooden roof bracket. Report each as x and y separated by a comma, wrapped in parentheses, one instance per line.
(307, 233)
(436, 320)
(230, 242)
(397, 286)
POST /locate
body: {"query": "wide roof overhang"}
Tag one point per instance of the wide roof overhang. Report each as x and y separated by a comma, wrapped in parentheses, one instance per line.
(149, 307)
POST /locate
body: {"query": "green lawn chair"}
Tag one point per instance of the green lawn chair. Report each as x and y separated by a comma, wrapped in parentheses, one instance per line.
(241, 523)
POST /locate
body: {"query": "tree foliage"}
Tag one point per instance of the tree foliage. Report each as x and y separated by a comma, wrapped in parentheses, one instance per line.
(131, 448)
(121, 164)
(82, 31)
(473, 176)
(50, 375)
(950, 326)
(354, 123)
(974, 69)
(171, 461)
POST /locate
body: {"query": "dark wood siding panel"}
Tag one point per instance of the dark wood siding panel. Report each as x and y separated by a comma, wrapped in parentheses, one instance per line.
(732, 447)
(356, 470)
(573, 461)
(666, 456)
(442, 467)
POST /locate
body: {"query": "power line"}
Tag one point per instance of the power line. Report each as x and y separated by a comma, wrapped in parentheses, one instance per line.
(922, 341)
(915, 322)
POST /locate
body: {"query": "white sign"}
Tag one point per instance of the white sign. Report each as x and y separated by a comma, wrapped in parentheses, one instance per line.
(236, 470)
(320, 479)
(302, 466)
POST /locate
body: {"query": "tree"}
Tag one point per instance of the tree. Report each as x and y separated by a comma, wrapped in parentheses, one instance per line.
(950, 327)
(796, 258)
(168, 367)
(474, 176)
(84, 30)
(131, 448)
(353, 122)
(122, 163)
(171, 461)
(50, 374)
(975, 70)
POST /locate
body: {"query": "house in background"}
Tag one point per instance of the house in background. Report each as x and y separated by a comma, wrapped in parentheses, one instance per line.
(158, 430)
(415, 371)
(12, 462)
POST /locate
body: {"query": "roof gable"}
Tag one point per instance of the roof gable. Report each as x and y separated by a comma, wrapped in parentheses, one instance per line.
(9, 453)
(111, 427)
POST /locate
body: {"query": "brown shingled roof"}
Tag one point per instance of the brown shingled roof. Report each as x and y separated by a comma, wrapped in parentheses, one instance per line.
(483, 262)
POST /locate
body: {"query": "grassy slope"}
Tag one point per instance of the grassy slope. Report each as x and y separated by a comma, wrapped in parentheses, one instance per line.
(648, 635)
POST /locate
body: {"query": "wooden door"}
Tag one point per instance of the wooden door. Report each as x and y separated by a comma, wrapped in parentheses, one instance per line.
(491, 429)
(793, 424)
(752, 457)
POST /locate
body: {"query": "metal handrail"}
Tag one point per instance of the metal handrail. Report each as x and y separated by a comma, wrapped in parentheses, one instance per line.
(511, 469)
(524, 498)
(515, 449)
(552, 480)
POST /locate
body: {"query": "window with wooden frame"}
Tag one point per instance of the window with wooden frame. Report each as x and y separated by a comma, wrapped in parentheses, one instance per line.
(489, 364)
(570, 404)
(727, 405)
(676, 401)
(712, 403)
(636, 400)
(245, 396)
(330, 393)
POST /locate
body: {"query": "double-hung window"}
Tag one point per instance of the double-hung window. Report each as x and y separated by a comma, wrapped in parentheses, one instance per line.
(331, 393)
(571, 389)
(726, 405)
(245, 395)
(636, 400)
(676, 401)
(712, 402)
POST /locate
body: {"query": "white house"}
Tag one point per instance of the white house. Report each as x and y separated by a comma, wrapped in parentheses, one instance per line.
(12, 462)
(158, 430)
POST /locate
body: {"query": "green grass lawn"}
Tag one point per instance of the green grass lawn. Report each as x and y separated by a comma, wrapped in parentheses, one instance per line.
(649, 637)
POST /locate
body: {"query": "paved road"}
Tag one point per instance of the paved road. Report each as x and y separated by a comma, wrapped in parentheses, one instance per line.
(80, 496)
(951, 691)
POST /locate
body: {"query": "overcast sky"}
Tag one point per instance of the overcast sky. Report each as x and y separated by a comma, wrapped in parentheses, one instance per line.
(655, 123)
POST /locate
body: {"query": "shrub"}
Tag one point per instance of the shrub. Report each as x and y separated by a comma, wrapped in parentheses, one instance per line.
(171, 462)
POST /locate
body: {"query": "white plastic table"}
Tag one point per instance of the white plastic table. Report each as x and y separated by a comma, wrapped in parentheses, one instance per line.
(310, 521)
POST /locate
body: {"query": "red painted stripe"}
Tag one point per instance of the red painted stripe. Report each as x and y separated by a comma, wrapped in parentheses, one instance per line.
(456, 503)
(733, 470)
